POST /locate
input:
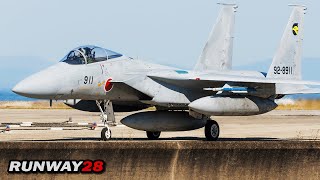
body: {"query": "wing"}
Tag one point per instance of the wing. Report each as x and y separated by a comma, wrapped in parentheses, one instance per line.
(214, 77)
(214, 80)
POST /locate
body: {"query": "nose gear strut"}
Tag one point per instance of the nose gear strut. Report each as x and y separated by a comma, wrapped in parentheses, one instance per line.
(107, 117)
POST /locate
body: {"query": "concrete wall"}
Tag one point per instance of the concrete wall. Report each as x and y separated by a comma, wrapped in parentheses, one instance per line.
(174, 160)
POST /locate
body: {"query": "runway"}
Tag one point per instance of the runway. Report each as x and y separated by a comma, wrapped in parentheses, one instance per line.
(277, 145)
(47, 124)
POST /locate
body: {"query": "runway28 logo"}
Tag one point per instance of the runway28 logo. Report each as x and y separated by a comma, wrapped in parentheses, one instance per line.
(82, 166)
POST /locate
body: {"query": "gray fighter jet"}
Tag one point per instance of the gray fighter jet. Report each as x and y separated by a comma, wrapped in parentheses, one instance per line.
(95, 79)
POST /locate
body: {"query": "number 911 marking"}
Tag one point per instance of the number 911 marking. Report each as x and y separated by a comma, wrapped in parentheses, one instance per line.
(283, 70)
(88, 80)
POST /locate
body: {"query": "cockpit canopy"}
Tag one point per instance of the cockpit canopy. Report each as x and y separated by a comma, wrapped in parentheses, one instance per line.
(88, 55)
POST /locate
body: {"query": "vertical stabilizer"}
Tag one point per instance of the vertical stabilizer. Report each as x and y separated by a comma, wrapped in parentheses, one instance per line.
(286, 63)
(217, 53)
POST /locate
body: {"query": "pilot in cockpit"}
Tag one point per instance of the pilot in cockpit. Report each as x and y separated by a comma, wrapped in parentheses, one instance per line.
(88, 55)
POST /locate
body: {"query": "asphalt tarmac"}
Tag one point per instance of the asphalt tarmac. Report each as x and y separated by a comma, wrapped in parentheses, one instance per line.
(53, 125)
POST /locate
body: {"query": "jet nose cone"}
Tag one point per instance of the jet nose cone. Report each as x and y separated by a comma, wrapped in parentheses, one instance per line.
(32, 87)
(19, 88)
(27, 88)
(40, 85)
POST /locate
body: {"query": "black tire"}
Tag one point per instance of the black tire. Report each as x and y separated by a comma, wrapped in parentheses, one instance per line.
(106, 134)
(153, 135)
(212, 130)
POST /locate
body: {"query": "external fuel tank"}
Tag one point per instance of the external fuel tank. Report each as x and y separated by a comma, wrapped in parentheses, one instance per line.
(163, 121)
(232, 106)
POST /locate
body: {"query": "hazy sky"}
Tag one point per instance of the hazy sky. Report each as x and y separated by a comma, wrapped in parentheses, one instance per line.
(166, 32)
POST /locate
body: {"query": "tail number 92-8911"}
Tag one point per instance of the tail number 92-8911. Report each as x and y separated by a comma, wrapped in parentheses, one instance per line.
(283, 70)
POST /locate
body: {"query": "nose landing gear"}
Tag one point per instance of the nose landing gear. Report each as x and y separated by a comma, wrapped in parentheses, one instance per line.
(107, 117)
(106, 134)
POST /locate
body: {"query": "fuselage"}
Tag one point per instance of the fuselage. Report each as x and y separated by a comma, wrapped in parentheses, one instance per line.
(103, 80)
(112, 79)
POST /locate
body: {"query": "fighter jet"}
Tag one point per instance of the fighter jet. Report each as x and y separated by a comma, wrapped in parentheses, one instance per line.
(90, 78)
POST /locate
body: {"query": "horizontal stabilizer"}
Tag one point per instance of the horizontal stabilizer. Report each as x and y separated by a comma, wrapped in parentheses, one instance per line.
(296, 89)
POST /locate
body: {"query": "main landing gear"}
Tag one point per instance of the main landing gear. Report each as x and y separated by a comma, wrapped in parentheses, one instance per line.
(153, 135)
(107, 117)
(212, 130)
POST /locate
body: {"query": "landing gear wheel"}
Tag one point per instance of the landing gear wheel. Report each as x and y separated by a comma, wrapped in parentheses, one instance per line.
(153, 135)
(212, 130)
(106, 134)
